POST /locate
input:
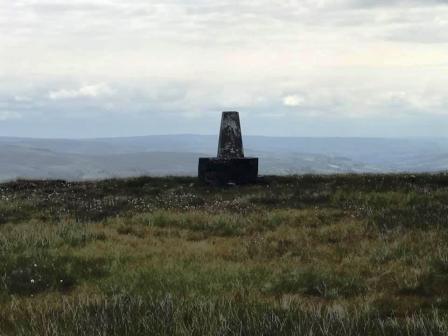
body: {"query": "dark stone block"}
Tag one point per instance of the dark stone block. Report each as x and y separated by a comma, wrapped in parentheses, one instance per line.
(223, 171)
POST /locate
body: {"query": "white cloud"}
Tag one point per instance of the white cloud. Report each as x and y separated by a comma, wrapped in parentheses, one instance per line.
(91, 91)
(293, 100)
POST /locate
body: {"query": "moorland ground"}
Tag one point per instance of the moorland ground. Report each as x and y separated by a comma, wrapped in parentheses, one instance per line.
(309, 255)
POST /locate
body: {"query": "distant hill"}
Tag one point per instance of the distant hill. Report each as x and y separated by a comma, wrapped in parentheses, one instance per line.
(178, 154)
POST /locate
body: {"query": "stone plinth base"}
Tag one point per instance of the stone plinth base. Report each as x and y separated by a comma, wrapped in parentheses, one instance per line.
(220, 171)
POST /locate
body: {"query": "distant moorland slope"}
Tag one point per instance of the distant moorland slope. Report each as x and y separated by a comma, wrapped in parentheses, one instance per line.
(178, 154)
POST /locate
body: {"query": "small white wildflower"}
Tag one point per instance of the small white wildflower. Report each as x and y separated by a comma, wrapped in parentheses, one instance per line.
(61, 281)
(35, 265)
(32, 280)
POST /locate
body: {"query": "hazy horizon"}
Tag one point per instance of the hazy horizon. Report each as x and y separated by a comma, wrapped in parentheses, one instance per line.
(423, 137)
(84, 159)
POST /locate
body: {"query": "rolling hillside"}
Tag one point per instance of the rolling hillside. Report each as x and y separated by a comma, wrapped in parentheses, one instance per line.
(178, 154)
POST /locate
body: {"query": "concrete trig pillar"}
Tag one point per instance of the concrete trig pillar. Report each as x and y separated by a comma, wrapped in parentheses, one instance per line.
(230, 166)
(230, 144)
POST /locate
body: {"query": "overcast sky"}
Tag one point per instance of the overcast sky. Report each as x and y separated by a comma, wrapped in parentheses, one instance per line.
(99, 68)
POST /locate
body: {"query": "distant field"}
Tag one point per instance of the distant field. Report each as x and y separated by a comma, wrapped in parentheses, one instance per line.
(309, 255)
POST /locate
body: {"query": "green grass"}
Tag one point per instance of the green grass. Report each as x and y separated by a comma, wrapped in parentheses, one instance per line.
(311, 255)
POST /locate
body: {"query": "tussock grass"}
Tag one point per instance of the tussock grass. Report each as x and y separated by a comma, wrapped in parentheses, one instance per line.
(310, 255)
(320, 283)
(131, 315)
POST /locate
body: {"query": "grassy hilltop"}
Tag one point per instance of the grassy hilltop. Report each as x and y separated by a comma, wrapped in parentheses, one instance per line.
(320, 255)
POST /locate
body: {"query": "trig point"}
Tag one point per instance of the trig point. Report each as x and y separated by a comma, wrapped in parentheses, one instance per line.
(230, 166)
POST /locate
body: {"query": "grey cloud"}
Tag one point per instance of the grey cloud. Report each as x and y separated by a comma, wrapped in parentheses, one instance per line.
(393, 3)
(204, 56)
(201, 22)
(154, 105)
(424, 34)
(61, 8)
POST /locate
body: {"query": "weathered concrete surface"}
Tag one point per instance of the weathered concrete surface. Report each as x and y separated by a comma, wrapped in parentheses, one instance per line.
(230, 166)
(230, 144)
